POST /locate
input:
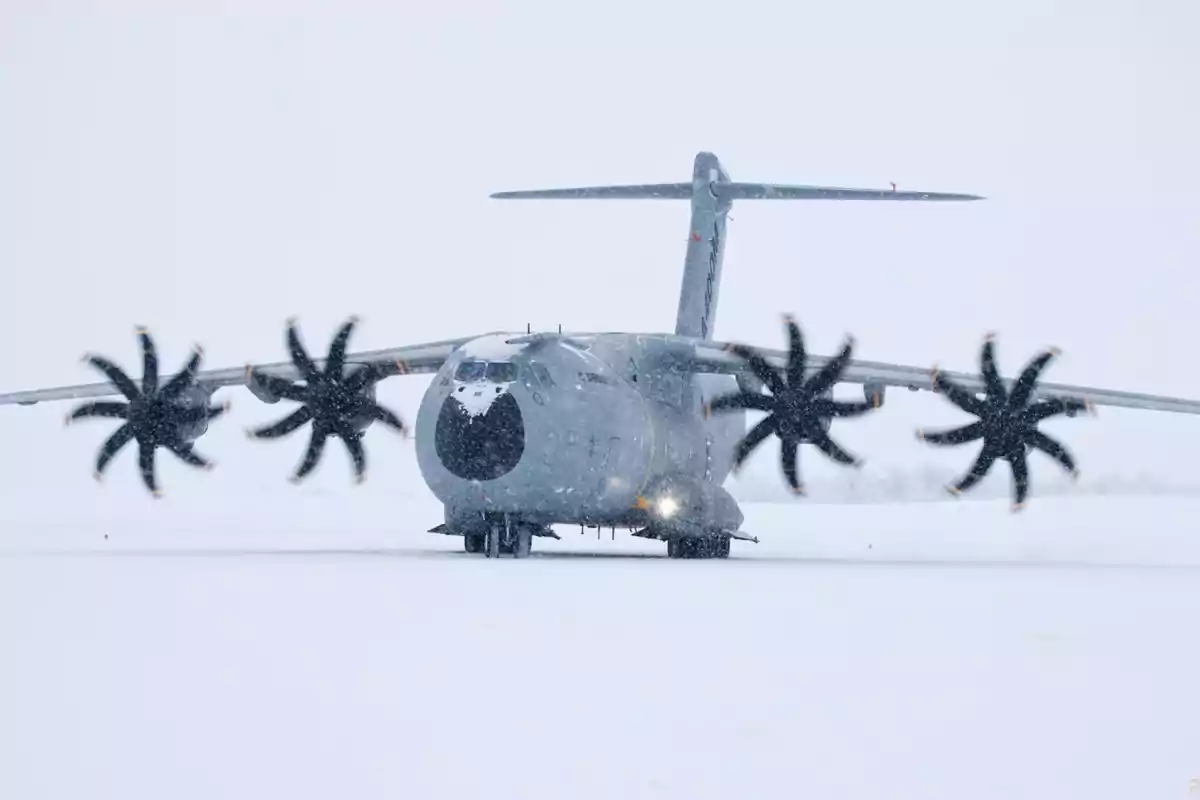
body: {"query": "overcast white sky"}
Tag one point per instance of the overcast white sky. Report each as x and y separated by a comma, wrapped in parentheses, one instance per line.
(210, 172)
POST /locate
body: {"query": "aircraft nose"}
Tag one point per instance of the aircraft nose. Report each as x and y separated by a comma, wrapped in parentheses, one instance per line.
(480, 434)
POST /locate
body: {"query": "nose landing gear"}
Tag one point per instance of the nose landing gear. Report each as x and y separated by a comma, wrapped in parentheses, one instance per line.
(505, 536)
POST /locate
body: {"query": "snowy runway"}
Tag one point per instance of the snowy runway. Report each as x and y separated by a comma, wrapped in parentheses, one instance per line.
(923, 650)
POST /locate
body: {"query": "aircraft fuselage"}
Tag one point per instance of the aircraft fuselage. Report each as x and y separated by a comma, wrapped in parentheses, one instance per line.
(562, 430)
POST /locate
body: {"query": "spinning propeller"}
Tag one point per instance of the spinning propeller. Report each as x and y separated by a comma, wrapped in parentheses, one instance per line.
(154, 417)
(337, 404)
(1007, 422)
(798, 410)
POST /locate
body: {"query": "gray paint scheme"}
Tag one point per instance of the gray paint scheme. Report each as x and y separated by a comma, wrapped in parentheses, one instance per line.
(611, 422)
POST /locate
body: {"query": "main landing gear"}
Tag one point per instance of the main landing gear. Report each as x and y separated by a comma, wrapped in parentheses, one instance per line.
(504, 537)
(716, 546)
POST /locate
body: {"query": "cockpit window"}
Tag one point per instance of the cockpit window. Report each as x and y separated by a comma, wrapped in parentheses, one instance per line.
(470, 371)
(501, 372)
(494, 371)
(541, 373)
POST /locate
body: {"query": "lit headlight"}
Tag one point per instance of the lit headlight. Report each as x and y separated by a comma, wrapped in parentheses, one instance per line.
(667, 506)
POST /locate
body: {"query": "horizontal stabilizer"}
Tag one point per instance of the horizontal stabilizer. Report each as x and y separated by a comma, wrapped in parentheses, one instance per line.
(727, 190)
(647, 191)
(776, 191)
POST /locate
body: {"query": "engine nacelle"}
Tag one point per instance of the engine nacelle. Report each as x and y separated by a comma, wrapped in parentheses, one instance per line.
(747, 381)
(873, 393)
(193, 398)
(261, 392)
(358, 423)
(363, 421)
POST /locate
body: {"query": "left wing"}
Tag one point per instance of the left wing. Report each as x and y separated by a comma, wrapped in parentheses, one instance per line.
(701, 355)
(409, 359)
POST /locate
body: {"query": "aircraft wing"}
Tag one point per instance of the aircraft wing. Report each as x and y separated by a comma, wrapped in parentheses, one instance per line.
(409, 359)
(700, 355)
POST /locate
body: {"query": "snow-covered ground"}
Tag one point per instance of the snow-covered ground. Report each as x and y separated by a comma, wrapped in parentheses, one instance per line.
(921, 650)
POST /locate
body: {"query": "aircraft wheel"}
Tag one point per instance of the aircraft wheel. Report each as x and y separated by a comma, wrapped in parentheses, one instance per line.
(494, 535)
(674, 548)
(722, 547)
(474, 543)
(522, 542)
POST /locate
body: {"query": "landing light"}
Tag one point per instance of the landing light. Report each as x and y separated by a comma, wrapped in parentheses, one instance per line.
(667, 506)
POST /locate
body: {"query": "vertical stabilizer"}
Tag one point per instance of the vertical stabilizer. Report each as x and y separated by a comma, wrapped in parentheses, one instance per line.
(712, 194)
(705, 250)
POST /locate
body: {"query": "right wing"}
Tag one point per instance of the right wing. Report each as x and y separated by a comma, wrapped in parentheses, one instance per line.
(701, 355)
(409, 359)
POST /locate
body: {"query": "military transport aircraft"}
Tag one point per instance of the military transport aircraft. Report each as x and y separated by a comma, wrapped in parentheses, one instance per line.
(518, 432)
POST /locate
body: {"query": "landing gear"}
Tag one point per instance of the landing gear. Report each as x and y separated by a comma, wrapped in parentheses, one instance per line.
(715, 546)
(522, 542)
(504, 537)
(495, 536)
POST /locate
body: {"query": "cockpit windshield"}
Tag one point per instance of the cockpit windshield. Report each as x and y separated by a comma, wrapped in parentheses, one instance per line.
(494, 371)
(501, 372)
(470, 371)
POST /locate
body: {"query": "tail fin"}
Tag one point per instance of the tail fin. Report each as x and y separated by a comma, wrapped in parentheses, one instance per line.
(712, 194)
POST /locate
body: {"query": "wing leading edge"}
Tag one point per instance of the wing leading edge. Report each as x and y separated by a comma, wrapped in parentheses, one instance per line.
(410, 359)
(699, 355)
